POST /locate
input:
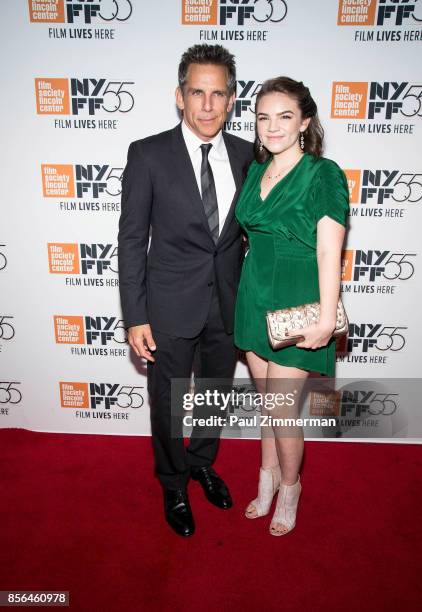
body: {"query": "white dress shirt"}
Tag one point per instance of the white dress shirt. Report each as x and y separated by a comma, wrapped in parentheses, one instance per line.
(225, 186)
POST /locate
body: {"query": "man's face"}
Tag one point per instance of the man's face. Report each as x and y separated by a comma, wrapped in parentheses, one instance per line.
(205, 101)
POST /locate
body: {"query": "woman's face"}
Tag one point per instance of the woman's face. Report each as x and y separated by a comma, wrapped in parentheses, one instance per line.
(279, 121)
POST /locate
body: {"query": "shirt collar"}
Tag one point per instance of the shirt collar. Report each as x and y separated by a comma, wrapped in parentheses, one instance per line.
(193, 143)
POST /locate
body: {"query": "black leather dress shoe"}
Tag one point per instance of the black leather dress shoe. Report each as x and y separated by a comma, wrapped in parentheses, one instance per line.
(178, 512)
(215, 488)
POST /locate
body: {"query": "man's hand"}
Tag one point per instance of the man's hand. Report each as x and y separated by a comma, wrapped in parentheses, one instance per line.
(141, 340)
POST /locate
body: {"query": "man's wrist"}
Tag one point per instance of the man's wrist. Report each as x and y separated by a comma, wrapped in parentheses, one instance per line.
(136, 323)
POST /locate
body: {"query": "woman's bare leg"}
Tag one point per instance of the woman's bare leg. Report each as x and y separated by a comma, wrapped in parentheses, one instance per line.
(259, 371)
(289, 442)
(269, 456)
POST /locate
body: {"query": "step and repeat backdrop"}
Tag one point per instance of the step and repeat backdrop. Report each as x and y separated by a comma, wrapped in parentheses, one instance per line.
(83, 78)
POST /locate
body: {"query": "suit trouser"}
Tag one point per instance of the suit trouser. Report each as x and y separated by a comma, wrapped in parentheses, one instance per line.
(174, 358)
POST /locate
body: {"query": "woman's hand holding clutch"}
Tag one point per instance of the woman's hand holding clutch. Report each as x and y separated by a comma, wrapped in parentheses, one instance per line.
(316, 335)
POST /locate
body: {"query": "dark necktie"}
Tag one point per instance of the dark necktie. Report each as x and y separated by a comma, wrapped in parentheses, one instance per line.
(209, 195)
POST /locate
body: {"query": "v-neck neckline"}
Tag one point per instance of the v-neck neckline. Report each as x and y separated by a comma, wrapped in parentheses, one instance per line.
(263, 200)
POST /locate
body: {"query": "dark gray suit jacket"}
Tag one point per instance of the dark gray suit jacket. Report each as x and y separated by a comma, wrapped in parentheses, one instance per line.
(170, 287)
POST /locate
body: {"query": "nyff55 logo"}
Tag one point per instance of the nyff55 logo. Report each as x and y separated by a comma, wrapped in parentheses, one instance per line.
(9, 392)
(63, 96)
(100, 395)
(3, 258)
(85, 11)
(80, 180)
(233, 12)
(361, 100)
(378, 186)
(370, 337)
(245, 100)
(357, 403)
(377, 12)
(7, 331)
(73, 258)
(371, 265)
(89, 330)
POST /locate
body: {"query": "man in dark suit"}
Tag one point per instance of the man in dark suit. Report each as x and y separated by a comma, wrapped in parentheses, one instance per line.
(178, 297)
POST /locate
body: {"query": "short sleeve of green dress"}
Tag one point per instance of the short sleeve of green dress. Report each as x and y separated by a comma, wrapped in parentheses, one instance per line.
(280, 269)
(331, 193)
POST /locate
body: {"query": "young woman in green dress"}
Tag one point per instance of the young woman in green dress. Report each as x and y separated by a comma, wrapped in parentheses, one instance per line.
(293, 209)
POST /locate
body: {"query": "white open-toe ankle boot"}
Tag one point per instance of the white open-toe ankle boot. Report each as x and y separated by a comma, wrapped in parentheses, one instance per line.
(285, 511)
(269, 482)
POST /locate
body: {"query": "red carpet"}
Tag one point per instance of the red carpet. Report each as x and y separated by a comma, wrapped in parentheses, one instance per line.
(83, 513)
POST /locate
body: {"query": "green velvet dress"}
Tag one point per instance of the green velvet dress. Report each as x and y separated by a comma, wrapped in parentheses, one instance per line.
(280, 269)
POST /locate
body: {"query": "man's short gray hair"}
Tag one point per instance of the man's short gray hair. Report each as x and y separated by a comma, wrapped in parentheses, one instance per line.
(209, 54)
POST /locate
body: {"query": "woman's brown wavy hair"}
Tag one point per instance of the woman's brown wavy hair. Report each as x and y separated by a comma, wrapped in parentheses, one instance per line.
(314, 134)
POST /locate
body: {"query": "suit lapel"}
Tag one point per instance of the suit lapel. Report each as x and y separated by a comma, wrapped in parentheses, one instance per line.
(185, 171)
(237, 171)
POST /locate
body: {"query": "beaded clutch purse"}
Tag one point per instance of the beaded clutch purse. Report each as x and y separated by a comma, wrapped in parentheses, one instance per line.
(296, 318)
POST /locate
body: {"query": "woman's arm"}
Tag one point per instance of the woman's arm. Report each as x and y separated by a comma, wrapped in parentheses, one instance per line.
(330, 237)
